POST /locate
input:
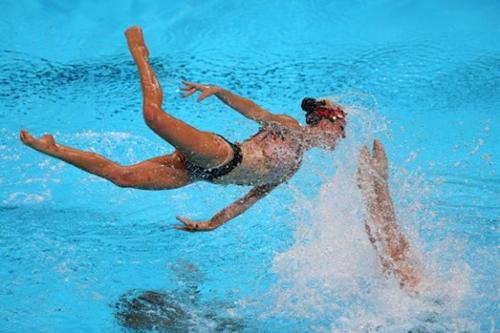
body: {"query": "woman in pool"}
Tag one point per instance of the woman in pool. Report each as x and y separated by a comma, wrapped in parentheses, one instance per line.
(265, 160)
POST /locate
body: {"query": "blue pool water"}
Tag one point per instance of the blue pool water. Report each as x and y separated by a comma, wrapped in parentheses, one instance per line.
(423, 77)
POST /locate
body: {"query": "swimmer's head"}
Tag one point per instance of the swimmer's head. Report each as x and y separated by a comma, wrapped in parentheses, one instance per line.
(325, 122)
(317, 110)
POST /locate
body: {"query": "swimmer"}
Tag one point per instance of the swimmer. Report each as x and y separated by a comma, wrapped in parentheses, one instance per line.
(381, 226)
(265, 160)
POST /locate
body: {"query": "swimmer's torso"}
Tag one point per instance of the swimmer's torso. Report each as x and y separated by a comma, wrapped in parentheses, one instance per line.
(269, 157)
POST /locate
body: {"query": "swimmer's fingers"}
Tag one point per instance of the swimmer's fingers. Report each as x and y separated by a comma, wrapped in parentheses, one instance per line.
(191, 87)
(205, 94)
(193, 226)
(191, 84)
(188, 92)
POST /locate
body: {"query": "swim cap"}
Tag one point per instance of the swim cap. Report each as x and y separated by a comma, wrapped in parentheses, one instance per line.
(316, 110)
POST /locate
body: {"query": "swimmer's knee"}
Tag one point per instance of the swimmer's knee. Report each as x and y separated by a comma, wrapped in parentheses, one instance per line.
(150, 114)
(150, 111)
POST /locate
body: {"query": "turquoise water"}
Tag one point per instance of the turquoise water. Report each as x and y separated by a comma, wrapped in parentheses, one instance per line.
(425, 78)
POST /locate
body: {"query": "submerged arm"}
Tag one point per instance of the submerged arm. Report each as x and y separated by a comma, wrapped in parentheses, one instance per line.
(243, 105)
(236, 208)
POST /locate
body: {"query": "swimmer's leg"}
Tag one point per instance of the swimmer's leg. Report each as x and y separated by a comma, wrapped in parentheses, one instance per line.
(381, 224)
(165, 172)
(202, 148)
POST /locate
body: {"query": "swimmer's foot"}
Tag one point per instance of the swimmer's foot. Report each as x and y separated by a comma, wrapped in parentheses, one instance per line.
(45, 144)
(136, 43)
(372, 166)
(379, 161)
(364, 176)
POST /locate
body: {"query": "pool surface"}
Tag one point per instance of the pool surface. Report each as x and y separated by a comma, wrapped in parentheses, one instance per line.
(77, 253)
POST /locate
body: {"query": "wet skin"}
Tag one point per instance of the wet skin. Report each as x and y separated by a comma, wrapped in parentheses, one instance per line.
(201, 148)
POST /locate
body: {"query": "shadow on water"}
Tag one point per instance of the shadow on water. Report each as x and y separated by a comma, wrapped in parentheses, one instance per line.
(171, 311)
(179, 310)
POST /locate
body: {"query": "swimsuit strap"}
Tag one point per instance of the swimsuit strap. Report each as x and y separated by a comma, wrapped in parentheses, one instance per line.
(210, 174)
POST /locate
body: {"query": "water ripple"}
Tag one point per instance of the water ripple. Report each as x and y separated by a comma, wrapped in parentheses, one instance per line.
(413, 71)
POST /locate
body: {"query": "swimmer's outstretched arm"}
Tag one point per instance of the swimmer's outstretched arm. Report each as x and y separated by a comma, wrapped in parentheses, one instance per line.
(236, 208)
(243, 105)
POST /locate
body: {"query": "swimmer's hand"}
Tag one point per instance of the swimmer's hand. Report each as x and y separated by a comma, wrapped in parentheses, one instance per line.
(205, 89)
(194, 226)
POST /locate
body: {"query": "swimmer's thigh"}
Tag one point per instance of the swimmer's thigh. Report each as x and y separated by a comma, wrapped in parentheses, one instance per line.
(160, 173)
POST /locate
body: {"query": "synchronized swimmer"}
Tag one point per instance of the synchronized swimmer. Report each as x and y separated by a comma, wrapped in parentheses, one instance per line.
(264, 161)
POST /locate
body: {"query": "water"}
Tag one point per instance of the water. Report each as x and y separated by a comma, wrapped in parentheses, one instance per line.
(424, 78)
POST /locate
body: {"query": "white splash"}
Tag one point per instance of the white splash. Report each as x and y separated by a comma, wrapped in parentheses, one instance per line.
(24, 197)
(332, 274)
(116, 136)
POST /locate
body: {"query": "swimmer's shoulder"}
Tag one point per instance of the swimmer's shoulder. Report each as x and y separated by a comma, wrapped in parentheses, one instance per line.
(285, 121)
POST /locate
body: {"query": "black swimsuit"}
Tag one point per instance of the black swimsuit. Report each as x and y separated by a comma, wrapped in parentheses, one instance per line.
(210, 174)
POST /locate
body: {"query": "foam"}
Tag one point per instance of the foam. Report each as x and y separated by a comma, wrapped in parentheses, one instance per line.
(116, 136)
(24, 197)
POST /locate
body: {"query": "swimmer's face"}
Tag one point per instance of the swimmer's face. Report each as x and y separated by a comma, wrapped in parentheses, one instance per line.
(325, 133)
(325, 122)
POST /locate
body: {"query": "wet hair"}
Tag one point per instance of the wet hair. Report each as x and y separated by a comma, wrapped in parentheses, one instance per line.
(317, 110)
